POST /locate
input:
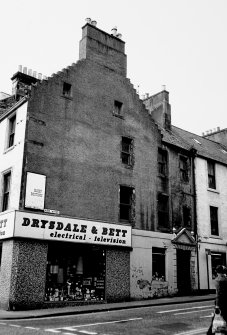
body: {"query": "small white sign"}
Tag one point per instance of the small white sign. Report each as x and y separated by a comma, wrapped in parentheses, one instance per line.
(56, 228)
(35, 191)
(7, 225)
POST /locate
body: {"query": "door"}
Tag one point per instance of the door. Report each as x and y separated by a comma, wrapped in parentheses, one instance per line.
(183, 271)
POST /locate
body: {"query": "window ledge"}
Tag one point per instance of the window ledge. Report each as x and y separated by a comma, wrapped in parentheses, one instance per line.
(119, 116)
(66, 97)
(212, 190)
(9, 149)
(216, 237)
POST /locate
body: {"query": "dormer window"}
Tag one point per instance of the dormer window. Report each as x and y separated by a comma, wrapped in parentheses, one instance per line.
(67, 90)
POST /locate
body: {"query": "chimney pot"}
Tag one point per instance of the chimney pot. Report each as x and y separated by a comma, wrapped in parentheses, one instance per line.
(20, 68)
(35, 74)
(88, 20)
(119, 36)
(40, 76)
(25, 70)
(114, 31)
(94, 23)
(30, 72)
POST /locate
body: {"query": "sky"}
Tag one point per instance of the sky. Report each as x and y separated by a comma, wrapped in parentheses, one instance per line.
(177, 43)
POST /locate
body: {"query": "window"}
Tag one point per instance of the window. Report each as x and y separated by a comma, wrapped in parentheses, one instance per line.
(12, 126)
(127, 203)
(187, 216)
(184, 168)
(127, 151)
(66, 89)
(211, 174)
(217, 259)
(163, 210)
(162, 162)
(117, 107)
(214, 220)
(158, 264)
(6, 189)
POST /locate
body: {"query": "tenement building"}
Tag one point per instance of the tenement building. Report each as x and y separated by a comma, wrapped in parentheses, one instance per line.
(102, 198)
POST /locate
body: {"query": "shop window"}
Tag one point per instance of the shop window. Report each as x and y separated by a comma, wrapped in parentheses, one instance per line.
(217, 259)
(11, 131)
(67, 90)
(162, 162)
(184, 169)
(163, 210)
(75, 273)
(127, 203)
(187, 216)
(6, 191)
(127, 151)
(214, 220)
(211, 175)
(117, 108)
(158, 264)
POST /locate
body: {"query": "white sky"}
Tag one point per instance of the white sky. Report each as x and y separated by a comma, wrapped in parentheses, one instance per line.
(178, 43)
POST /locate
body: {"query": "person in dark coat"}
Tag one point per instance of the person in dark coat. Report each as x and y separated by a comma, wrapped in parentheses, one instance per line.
(221, 291)
(221, 294)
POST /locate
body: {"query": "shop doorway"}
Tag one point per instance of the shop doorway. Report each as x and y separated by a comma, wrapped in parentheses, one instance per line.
(183, 271)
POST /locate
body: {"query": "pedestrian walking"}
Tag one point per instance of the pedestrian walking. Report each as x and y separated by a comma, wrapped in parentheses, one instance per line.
(220, 301)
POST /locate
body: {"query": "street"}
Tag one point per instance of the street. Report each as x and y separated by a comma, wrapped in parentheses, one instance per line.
(174, 319)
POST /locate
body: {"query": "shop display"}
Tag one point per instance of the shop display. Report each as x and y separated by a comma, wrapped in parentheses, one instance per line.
(75, 273)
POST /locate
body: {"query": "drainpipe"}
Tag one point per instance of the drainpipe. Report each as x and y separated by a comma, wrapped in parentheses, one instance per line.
(194, 152)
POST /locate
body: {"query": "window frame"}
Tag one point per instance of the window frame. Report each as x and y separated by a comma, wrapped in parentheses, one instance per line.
(11, 131)
(160, 255)
(187, 214)
(163, 212)
(162, 162)
(118, 107)
(128, 154)
(67, 90)
(184, 168)
(128, 205)
(6, 186)
(214, 223)
(211, 174)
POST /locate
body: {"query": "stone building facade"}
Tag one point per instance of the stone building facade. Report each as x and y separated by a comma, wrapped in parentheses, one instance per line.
(98, 188)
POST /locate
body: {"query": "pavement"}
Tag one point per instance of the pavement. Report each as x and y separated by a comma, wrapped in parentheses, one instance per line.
(73, 310)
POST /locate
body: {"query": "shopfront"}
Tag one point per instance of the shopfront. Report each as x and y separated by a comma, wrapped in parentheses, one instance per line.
(62, 259)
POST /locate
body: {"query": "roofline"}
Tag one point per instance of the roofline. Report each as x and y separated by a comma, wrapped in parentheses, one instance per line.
(15, 106)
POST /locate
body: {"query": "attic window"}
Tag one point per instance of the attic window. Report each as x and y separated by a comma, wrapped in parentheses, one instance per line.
(66, 89)
(196, 141)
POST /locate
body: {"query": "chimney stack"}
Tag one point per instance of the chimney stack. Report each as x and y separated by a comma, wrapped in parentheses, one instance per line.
(103, 48)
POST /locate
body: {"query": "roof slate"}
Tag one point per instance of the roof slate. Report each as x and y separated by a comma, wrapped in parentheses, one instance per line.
(204, 147)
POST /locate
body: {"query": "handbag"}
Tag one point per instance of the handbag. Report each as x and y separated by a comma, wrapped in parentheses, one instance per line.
(218, 324)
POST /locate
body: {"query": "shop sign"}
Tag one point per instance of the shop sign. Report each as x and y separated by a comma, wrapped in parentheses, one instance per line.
(6, 225)
(63, 229)
(35, 191)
